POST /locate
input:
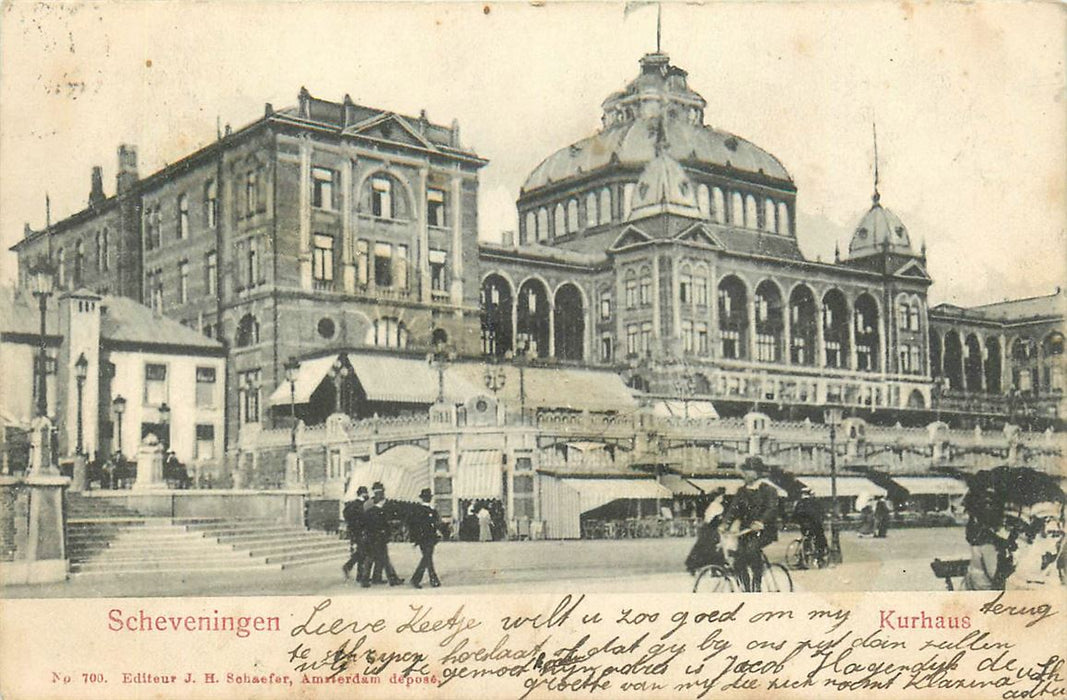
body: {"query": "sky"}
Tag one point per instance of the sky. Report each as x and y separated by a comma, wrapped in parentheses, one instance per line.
(968, 100)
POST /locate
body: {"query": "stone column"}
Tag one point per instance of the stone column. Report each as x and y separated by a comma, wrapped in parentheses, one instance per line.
(150, 465)
(851, 313)
(33, 519)
(787, 334)
(305, 213)
(751, 303)
(42, 460)
(457, 243)
(348, 236)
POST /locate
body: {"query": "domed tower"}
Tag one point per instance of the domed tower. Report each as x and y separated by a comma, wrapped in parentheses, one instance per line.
(653, 136)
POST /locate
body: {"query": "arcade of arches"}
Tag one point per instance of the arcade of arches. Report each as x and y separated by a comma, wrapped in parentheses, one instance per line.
(997, 364)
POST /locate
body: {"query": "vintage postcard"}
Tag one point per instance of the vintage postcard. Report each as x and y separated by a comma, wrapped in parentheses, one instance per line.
(508, 350)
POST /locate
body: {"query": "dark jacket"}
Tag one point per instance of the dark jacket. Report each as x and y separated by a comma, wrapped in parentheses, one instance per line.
(807, 513)
(376, 523)
(752, 504)
(354, 518)
(425, 524)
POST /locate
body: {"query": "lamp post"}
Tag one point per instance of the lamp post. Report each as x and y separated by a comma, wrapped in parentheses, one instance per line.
(518, 358)
(164, 422)
(118, 406)
(291, 368)
(832, 417)
(81, 371)
(42, 281)
(495, 379)
(338, 372)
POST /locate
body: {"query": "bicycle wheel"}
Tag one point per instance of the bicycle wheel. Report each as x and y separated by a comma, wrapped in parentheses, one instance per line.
(714, 579)
(794, 553)
(776, 579)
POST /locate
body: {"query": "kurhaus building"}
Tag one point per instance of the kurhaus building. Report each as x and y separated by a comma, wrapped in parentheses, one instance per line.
(667, 249)
(659, 247)
(324, 226)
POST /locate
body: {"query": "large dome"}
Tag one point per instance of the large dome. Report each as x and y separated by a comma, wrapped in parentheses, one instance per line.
(632, 130)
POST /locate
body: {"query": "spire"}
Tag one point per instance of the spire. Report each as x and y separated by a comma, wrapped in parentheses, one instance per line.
(876, 197)
(837, 252)
(659, 24)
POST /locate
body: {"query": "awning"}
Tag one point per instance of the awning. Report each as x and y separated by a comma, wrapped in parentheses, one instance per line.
(479, 475)
(406, 380)
(403, 470)
(684, 409)
(846, 486)
(679, 486)
(594, 493)
(308, 378)
(939, 485)
(731, 484)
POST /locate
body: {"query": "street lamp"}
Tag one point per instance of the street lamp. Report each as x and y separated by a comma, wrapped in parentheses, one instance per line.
(81, 371)
(291, 369)
(832, 417)
(338, 372)
(495, 379)
(118, 406)
(439, 359)
(164, 422)
(42, 284)
(518, 358)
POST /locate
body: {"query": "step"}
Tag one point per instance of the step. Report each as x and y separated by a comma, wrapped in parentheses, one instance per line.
(254, 537)
(310, 552)
(178, 571)
(312, 559)
(247, 531)
(184, 557)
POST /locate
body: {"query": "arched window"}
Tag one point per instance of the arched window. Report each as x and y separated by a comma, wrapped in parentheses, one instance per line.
(570, 323)
(867, 348)
(542, 224)
(733, 318)
(903, 314)
(560, 221)
(183, 216)
(953, 360)
(737, 209)
(783, 219)
(768, 216)
(913, 315)
(751, 214)
(605, 206)
(769, 322)
(389, 333)
(497, 310)
(531, 321)
(384, 197)
(530, 232)
(99, 251)
(835, 329)
(247, 331)
(572, 216)
(718, 206)
(802, 326)
(646, 286)
(972, 363)
(105, 254)
(935, 355)
(993, 366)
(591, 210)
(79, 262)
(916, 360)
(704, 200)
(1052, 346)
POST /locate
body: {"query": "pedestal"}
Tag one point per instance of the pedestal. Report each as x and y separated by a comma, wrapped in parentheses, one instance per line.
(32, 519)
(292, 470)
(150, 465)
(41, 457)
(81, 474)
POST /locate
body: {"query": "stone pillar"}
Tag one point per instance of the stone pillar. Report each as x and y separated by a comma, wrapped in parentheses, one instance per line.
(348, 238)
(305, 213)
(80, 474)
(32, 518)
(292, 470)
(42, 460)
(150, 465)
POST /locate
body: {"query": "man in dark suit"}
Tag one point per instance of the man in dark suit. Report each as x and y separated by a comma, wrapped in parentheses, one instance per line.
(376, 527)
(754, 510)
(425, 527)
(354, 511)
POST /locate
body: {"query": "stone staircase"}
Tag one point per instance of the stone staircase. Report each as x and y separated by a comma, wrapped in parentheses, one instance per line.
(104, 538)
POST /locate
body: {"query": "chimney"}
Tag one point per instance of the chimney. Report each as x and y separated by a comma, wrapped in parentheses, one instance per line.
(348, 111)
(507, 239)
(304, 102)
(127, 176)
(455, 134)
(96, 188)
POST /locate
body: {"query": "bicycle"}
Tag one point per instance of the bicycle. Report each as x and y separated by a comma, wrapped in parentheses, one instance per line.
(718, 578)
(801, 554)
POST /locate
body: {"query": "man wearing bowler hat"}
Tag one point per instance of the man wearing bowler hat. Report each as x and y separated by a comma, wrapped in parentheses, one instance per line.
(353, 512)
(426, 527)
(377, 533)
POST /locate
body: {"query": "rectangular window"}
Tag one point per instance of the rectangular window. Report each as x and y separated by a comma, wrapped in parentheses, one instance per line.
(522, 495)
(438, 267)
(105, 252)
(253, 262)
(605, 305)
(523, 464)
(833, 353)
(631, 294)
(799, 356)
(362, 262)
(251, 193)
(646, 291)
(685, 289)
(381, 204)
(155, 384)
(435, 207)
(401, 267)
(211, 273)
(322, 258)
(249, 401)
(731, 345)
(700, 291)
(687, 336)
(702, 338)
(322, 188)
(183, 282)
(183, 216)
(205, 442)
(632, 332)
(766, 347)
(205, 387)
(383, 265)
(646, 338)
(211, 204)
(605, 348)
(440, 464)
